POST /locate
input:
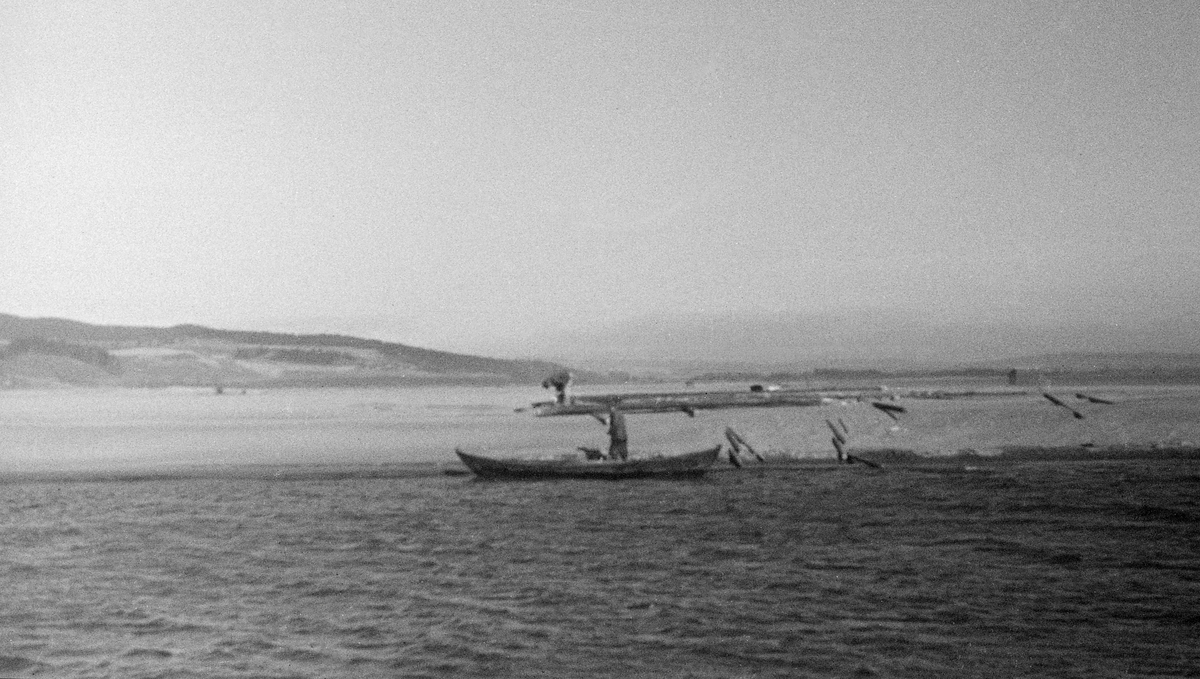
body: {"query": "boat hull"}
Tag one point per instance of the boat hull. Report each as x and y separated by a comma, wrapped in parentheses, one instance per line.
(676, 466)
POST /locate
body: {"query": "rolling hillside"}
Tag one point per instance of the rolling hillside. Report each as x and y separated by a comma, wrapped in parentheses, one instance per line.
(49, 352)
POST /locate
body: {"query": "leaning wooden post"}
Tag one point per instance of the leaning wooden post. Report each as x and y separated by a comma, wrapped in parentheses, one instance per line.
(736, 440)
(733, 458)
(732, 437)
(841, 452)
(837, 434)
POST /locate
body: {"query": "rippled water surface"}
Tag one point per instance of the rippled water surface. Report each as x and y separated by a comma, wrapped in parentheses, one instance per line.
(1032, 569)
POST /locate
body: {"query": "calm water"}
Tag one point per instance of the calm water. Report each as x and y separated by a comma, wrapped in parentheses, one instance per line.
(1033, 569)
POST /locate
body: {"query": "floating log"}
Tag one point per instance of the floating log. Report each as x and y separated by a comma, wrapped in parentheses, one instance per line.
(850, 459)
(889, 409)
(1094, 399)
(1074, 413)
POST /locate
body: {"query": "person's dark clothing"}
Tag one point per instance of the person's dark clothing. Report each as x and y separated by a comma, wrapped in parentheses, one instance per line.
(618, 448)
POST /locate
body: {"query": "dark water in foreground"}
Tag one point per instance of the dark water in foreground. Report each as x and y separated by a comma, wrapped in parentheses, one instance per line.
(1032, 569)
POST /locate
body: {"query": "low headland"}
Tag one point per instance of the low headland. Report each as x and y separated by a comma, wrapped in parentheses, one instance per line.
(51, 353)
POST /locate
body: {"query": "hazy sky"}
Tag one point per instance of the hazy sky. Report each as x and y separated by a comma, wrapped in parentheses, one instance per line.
(468, 175)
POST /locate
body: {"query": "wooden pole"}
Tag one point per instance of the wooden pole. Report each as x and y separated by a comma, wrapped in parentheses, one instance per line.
(837, 434)
(841, 452)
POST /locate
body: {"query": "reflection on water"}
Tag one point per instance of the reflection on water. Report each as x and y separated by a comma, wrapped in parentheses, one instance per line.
(1036, 569)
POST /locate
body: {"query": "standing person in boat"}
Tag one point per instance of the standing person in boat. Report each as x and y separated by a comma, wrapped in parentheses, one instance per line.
(618, 438)
(559, 381)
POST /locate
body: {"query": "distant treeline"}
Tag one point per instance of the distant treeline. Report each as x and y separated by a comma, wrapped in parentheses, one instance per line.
(37, 345)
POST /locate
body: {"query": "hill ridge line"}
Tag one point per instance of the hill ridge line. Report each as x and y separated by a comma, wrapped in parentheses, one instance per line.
(247, 360)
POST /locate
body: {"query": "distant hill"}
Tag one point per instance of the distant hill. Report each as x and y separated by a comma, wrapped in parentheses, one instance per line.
(884, 339)
(46, 352)
(1036, 370)
(1100, 361)
(1145, 367)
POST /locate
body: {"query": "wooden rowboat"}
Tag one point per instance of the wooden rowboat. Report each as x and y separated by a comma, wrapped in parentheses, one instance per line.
(675, 466)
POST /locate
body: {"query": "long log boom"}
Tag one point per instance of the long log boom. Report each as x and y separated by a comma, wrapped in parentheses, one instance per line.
(686, 402)
(689, 402)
